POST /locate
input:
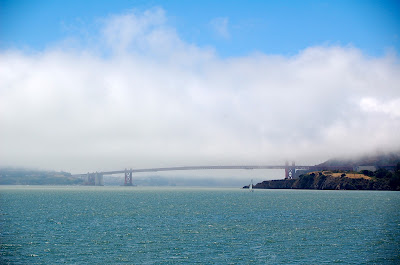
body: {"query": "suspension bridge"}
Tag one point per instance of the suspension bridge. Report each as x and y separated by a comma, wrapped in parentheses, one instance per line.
(96, 178)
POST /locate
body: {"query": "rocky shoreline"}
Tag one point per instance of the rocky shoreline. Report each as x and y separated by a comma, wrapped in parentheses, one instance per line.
(321, 181)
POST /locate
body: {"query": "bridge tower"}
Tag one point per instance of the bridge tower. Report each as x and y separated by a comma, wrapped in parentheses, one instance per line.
(128, 177)
(290, 170)
(98, 180)
(90, 179)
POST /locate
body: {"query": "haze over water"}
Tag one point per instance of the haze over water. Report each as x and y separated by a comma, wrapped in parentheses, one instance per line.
(110, 85)
(132, 225)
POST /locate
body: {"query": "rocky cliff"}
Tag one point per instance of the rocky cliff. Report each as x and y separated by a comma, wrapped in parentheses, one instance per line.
(320, 181)
(387, 177)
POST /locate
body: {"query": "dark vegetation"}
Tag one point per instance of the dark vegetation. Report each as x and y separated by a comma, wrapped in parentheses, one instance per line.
(12, 176)
(382, 179)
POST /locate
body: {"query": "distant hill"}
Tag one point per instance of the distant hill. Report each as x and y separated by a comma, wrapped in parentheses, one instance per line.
(386, 177)
(382, 179)
(20, 176)
(377, 160)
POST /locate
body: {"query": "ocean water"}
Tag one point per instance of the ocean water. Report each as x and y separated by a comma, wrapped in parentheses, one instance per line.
(133, 225)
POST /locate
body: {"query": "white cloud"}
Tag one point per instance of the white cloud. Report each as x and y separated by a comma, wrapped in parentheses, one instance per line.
(391, 107)
(221, 26)
(144, 97)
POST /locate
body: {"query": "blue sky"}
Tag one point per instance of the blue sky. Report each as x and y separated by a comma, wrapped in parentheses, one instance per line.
(104, 85)
(270, 27)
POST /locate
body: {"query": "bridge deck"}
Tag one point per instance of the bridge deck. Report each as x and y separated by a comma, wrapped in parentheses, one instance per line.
(214, 167)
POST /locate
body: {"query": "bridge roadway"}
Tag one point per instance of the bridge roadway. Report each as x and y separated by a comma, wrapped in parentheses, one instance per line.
(96, 177)
(212, 167)
(191, 168)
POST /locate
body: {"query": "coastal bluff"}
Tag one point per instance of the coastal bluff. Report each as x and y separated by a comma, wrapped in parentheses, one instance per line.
(371, 172)
(331, 181)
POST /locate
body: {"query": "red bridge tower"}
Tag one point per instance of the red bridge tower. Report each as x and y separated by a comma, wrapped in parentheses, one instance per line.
(290, 170)
(128, 177)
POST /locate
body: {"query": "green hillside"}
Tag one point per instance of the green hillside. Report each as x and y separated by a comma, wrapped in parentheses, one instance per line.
(13, 176)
